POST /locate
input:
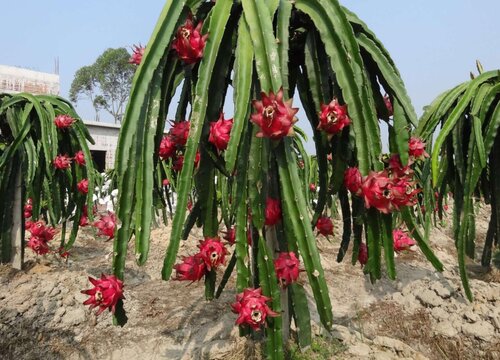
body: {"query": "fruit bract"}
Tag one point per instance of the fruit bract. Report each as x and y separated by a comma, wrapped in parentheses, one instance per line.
(274, 116)
(105, 294)
(252, 309)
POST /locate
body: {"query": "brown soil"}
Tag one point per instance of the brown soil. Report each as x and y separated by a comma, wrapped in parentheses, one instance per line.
(423, 314)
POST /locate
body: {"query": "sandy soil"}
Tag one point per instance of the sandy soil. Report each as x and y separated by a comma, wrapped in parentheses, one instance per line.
(423, 314)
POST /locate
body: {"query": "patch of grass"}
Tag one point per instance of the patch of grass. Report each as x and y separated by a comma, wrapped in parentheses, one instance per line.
(322, 348)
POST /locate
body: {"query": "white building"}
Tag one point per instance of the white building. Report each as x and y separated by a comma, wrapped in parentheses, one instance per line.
(14, 80)
(105, 136)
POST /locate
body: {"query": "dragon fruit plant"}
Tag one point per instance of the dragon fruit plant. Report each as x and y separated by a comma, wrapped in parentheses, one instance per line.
(464, 161)
(246, 173)
(44, 139)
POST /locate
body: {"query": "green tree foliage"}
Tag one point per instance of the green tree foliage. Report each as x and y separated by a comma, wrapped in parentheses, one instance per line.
(106, 82)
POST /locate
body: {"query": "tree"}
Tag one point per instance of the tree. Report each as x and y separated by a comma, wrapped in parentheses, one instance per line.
(106, 82)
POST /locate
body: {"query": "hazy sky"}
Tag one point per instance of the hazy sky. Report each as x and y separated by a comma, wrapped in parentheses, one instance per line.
(434, 43)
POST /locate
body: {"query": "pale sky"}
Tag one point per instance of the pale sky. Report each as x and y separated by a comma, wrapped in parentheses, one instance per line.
(434, 43)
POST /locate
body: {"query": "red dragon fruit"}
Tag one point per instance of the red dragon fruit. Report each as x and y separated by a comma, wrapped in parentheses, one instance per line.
(324, 225)
(402, 241)
(219, 132)
(179, 132)
(165, 182)
(376, 191)
(396, 169)
(40, 230)
(83, 186)
(178, 163)
(416, 148)
(252, 309)
(333, 118)
(287, 268)
(273, 211)
(28, 208)
(137, 54)
(189, 43)
(363, 254)
(38, 245)
(84, 220)
(403, 192)
(62, 162)
(167, 148)
(274, 116)
(213, 252)
(312, 187)
(106, 225)
(80, 158)
(63, 121)
(353, 180)
(230, 235)
(105, 294)
(63, 253)
(192, 268)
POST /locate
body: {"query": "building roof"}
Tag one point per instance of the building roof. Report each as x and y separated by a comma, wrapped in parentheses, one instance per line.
(102, 124)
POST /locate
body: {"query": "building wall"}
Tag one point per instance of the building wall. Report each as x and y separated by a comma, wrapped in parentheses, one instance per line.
(105, 136)
(15, 80)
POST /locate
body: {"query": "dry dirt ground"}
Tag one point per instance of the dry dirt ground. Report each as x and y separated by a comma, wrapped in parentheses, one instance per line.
(421, 315)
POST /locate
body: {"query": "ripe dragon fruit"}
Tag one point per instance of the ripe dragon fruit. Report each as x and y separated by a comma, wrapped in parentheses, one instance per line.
(167, 148)
(333, 118)
(274, 116)
(376, 191)
(252, 309)
(28, 208)
(312, 187)
(189, 43)
(83, 186)
(230, 235)
(192, 268)
(416, 148)
(324, 225)
(38, 245)
(62, 162)
(363, 254)
(79, 158)
(63, 121)
(179, 132)
(137, 54)
(106, 225)
(40, 230)
(287, 268)
(213, 252)
(40, 236)
(105, 294)
(353, 180)
(402, 241)
(273, 211)
(388, 191)
(403, 192)
(84, 220)
(396, 169)
(219, 132)
(178, 163)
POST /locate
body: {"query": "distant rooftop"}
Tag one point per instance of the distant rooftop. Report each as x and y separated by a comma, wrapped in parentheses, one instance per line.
(101, 124)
